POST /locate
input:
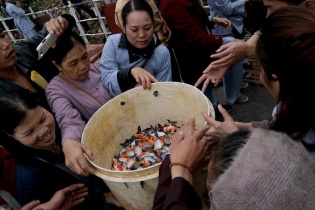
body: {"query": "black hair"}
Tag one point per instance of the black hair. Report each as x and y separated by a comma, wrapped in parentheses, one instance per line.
(226, 150)
(13, 109)
(286, 49)
(14, 106)
(64, 44)
(136, 5)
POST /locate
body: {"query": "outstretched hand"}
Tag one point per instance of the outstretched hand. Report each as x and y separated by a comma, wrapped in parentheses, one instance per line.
(189, 147)
(227, 55)
(143, 77)
(74, 157)
(219, 130)
(230, 54)
(63, 199)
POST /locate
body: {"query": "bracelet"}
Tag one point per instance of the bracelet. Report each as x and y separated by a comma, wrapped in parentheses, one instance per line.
(183, 165)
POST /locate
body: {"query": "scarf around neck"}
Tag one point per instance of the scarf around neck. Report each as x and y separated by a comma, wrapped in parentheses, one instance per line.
(144, 52)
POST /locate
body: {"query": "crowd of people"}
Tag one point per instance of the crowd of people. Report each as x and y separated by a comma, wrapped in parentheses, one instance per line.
(249, 165)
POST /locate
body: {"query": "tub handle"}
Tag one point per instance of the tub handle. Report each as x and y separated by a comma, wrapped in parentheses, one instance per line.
(147, 191)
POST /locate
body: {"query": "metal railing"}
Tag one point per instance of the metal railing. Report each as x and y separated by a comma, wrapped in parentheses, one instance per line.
(71, 7)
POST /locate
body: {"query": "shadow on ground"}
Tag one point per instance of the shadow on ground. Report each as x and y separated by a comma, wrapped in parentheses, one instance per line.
(258, 107)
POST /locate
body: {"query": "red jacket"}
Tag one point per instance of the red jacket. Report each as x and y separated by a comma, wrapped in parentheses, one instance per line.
(7, 168)
(174, 194)
(190, 38)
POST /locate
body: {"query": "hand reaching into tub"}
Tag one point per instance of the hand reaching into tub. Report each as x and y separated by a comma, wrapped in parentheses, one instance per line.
(143, 77)
(74, 157)
(188, 150)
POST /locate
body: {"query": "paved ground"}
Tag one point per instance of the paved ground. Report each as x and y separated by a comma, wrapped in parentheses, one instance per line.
(258, 107)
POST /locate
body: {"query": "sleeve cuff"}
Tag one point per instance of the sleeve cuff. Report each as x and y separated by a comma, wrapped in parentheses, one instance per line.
(228, 39)
(125, 80)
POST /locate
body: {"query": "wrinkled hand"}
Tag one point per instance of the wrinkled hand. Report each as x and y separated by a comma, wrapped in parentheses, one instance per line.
(227, 55)
(56, 25)
(74, 155)
(187, 129)
(189, 146)
(213, 76)
(230, 53)
(206, 80)
(224, 22)
(63, 199)
(219, 130)
(143, 77)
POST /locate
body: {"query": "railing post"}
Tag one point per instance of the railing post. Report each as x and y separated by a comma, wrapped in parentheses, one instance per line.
(8, 30)
(100, 20)
(32, 12)
(99, 17)
(73, 13)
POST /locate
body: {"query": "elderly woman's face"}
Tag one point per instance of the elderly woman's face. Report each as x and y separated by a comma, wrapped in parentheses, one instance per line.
(139, 29)
(76, 64)
(8, 57)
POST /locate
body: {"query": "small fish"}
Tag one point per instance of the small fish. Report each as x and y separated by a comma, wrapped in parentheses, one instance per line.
(138, 150)
(144, 163)
(145, 147)
(139, 130)
(135, 166)
(160, 134)
(171, 122)
(158, 144)
(118, 165)
(167, 142)
(127, 143)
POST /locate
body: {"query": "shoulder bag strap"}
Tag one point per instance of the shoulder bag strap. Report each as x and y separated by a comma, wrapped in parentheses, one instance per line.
(67, 170)
(78, 87)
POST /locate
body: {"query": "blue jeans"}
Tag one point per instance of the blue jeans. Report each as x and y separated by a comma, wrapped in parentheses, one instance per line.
(209, 95)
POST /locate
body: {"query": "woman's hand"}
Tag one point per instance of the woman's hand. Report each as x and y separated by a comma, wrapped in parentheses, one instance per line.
(56, 25)
(143, 77)
(189, 147)
(226, 56)
(63, 199)
(224, 22)
(74, 154)
(217, 129)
